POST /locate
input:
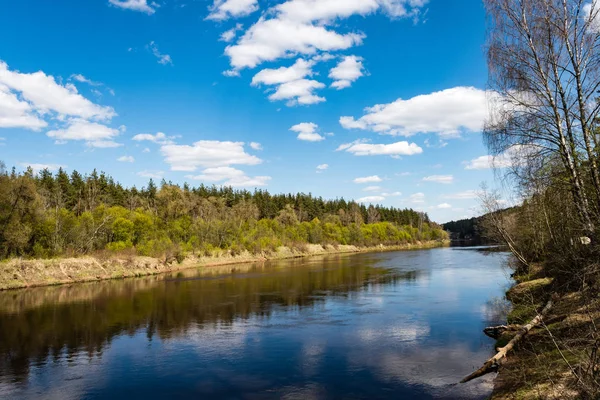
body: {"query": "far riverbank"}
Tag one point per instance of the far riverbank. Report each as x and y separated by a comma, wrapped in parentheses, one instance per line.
(22, 273)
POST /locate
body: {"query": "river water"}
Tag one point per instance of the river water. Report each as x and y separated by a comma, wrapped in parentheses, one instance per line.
(399, 325)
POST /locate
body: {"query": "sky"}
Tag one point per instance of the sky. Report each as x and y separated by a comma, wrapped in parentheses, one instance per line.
(381, 101)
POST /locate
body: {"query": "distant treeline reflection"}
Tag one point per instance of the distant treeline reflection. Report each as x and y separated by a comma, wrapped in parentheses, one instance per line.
(87, 317)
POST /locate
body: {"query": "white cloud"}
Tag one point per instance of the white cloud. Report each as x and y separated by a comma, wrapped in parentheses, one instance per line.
(39, 167)
(307, 132)
(301, 27)
(231, 73)
(256, 146)
(290, 83)
(45, 95)
(135, 5)
(300, 92)
(207, 154)
(445, 179)
(225, 9)
(103, 144)
(300, 69)
(372, 189)
(231, 34)
(83, 79)
(159, 138)
(146, 150)
(485, 162)
(514, 156)
(95, 134)
(229, 176)
(151, 174)
(591, 11)
(417, 198)
(15, 113)
(359, 148)
(271, 39)
(448, 113)
(443, 206)
(128, 159)
(346, 72)
(322, 167)
(466, 195)
(368, 179)
(371, 199)
(393, 194)
(163, 59)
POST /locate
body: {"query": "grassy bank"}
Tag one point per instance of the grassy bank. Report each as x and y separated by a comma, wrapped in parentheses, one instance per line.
(20, 273)
(556, 360)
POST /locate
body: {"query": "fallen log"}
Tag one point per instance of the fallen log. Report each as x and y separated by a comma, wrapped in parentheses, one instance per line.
(494, 363)
(496, 331)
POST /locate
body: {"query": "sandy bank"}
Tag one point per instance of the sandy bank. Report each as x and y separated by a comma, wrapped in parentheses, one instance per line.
(20, 273)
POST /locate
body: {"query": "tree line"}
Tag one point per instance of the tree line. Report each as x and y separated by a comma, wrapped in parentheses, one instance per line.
(544, 130)
(49, 214)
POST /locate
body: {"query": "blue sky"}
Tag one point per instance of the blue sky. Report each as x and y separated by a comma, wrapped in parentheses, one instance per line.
(378, 100)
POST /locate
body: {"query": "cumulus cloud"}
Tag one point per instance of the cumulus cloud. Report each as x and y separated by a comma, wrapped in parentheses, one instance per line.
(360, 148)
(298, 92)
(591, 11)
(135, 5)
(229, 176)
(514, 156)
(207, 154)
(290, 83)
(95, 134)
(303, 27)
(255, 146)
(417, 198)
(163, 59)
(448, 113)
(322, 167)
(151, 174)
(33, 100)
(445, 179)
(307, 132)
(45, 95)
(372, 189)
(300, 69)
(159, 138)
(128, 159)
(368, 179)
(225, 9)
(36, 167)
(271, 39)
(371, 199)
(443, 206)
(347, 71)
(15, 113)
(231, 34)
(466, 195)
(393, 194)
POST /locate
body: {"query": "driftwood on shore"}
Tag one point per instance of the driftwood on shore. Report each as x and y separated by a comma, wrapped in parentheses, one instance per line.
(493, 363)
(496, 331)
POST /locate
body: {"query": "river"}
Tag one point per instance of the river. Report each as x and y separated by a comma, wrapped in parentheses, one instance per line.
(400, 325)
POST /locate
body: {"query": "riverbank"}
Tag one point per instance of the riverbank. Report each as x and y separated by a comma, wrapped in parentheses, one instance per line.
(558, 359)
(21, 273)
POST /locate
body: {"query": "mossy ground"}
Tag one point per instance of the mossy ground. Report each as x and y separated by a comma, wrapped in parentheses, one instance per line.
(553, 360)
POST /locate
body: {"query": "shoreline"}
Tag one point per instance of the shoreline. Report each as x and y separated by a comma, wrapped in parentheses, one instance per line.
(20, 274)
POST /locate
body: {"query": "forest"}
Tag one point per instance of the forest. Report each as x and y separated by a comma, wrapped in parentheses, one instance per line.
(543, 136)
(45, 214)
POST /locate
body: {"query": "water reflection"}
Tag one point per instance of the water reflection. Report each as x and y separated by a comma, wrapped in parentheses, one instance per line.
(374, 325)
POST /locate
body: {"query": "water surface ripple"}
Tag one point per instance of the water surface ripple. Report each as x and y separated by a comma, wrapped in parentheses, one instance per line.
(381, 325)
